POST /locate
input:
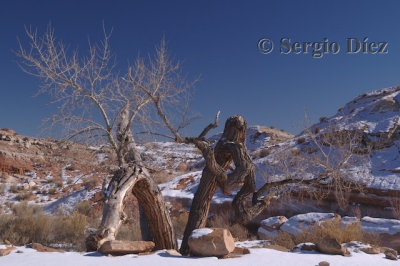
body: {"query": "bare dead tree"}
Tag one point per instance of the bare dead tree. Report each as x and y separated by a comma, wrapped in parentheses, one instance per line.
(231, 148)
(96, 102)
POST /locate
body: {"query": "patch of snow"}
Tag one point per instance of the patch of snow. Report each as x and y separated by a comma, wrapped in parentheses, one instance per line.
(67, 204)
(271, 221)
(295, 224)
(380, 225)
(197, 233)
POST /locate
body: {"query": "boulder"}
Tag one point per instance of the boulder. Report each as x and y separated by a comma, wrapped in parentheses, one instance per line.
(236, 253)
(371, 250)
(269, 227)
(266, 234)
(330, 245)
(122, 247)
(6, 251)
(387, 229)
(391, 254)
(323, 263)
(297, 223)
(277, 247)
(173, 252)
(273, 223)
(39, 247)
(308, 247)
(211, 242)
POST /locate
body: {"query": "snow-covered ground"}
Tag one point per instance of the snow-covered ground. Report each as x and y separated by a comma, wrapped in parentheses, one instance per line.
(257, 256)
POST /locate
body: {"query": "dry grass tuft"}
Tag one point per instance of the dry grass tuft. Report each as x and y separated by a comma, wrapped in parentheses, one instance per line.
(238, 231)
(179, 222)
(28, 223)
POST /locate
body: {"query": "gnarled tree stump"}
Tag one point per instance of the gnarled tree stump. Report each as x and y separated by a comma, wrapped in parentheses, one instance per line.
(230, 148)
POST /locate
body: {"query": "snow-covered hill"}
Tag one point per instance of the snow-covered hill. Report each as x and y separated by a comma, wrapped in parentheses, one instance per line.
(362, 141)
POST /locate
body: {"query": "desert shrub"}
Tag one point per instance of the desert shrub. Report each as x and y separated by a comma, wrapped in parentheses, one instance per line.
(3, 175)
(14, 188)
(70, 168)
(28, 223)
(300, 140)
(130, 232)
(179, 222)
(51, 191)
(222, 220)
(70, 230)
(56, 181)
(3, 188)
(395, 206)
(284, 239)
(24, 195)
(262, 153)
(83, 207)
(90, 184)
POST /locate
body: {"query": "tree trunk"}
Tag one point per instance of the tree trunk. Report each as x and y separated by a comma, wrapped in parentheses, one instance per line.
(149, 197)
(160, 224)
(132, 177)
(230, 148)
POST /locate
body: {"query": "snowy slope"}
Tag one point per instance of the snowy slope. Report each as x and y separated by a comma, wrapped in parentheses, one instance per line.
(374, 115)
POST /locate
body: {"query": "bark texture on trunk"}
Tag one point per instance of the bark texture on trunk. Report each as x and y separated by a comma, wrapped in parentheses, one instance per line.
(230, 148)
(132, 177)
(160, 224)
(137, 181)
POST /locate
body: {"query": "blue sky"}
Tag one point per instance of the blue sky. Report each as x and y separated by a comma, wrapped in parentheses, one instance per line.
(218, 41)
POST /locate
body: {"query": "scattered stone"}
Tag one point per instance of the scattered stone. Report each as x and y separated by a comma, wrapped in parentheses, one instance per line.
(19, 251)
(241, 251)
(371, 250)
(323, 263)
(182, 167)
(330, 245)
(308, 247)
(236, 253)
(122, 247)
(6, 251)
(391, 254)
(278, 248)
(211, 242)
(173, 252)
(40, 248)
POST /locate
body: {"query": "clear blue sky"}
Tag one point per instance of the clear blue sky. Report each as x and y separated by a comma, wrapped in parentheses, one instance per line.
(217, 40)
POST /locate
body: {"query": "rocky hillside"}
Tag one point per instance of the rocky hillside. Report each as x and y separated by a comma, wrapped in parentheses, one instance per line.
(361, 144)
(61, 174)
